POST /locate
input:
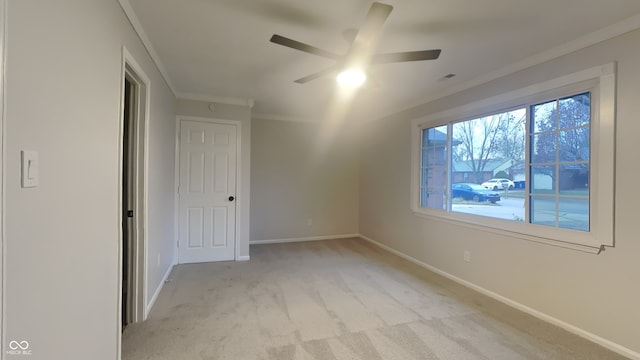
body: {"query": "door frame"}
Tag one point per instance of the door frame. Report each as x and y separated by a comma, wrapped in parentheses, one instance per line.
(134, 73)
(239, 193)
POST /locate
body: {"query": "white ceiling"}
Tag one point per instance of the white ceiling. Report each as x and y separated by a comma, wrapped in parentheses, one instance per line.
(220, 49)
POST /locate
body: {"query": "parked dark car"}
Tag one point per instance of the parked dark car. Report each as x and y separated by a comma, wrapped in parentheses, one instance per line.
(475, 192)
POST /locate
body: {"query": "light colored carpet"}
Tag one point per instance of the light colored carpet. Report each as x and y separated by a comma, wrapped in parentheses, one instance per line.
(337, 299)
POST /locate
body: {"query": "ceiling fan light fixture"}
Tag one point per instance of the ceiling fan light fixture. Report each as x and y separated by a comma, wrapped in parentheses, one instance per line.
(351, 78)
(361, 52)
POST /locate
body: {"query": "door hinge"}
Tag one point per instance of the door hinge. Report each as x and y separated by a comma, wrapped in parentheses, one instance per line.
(130, 213)
(178, 244)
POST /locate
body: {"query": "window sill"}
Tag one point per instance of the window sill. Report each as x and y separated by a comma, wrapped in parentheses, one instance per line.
(480, 226)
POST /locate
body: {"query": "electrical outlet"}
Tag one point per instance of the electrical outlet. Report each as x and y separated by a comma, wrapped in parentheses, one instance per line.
(309, 222)
(467, 256)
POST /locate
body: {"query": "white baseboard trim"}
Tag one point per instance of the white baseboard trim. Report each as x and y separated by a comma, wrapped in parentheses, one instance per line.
(242, 258)
(535, 313)
(300, 239)
(153, 299)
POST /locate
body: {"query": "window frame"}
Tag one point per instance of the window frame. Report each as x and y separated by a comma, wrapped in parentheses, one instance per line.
(601, 82)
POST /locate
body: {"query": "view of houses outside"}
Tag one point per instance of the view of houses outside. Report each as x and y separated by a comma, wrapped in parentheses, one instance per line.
(433, 192)
(560, 151)
(491, 147)
(495, 146)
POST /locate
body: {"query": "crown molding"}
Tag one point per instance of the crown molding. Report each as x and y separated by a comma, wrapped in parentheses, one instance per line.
(248, 102)
(262, 116)
(137, 27)
(630, 24)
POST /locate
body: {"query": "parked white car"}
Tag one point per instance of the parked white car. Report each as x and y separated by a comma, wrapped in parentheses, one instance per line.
(499, 184)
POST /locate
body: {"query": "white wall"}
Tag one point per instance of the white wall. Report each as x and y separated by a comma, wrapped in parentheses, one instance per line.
(295, 179)
(596, 293)
(161, 190)
(63, 87)
(243, 114)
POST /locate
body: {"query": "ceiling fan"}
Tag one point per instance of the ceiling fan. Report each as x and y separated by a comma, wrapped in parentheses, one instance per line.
(361, 50)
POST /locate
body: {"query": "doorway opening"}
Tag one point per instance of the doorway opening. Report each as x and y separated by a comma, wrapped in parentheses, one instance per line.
(133, 196)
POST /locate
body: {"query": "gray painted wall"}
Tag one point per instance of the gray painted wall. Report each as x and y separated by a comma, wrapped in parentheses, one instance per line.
(597, 293)
(63, 100)
(63, 88)
(3, 7)
(295, 178)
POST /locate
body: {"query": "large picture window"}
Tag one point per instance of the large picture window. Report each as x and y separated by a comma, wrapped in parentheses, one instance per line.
(530, 168)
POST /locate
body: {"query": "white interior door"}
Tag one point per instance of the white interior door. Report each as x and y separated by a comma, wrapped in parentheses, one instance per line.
(207, 190)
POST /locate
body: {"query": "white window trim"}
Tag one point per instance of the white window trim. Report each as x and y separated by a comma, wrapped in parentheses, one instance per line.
(602, 164)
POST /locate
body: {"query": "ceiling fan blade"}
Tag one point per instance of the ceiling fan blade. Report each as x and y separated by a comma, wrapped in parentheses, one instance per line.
(318, 74)
(284, 41)
(369, 31)
(406, 56)
(349, 35)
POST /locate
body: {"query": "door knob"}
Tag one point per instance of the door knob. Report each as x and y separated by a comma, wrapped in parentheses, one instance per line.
(231, 198)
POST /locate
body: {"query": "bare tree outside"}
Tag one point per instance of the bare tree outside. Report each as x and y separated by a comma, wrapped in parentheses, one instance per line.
(512, 135)
(481, 140)
(553, 182)
(569, 115)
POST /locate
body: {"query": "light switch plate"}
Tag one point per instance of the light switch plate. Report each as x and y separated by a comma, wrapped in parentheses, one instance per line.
(29, 168)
